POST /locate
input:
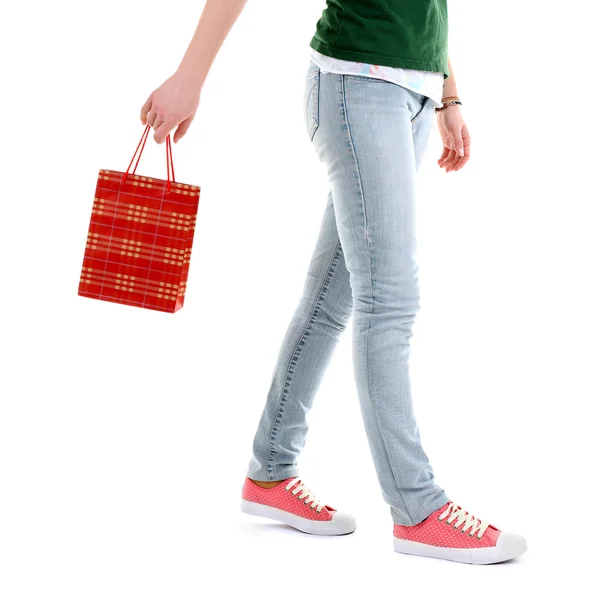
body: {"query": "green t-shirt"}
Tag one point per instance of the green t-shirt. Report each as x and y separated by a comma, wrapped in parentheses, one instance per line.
(400, 33)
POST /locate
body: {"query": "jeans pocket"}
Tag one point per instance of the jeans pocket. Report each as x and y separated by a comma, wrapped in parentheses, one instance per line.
(311, 100)
(424, 103)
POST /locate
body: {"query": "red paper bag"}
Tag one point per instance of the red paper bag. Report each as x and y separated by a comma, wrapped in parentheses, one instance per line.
(140, 238)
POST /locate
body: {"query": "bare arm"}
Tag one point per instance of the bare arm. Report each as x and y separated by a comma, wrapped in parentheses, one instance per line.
(454, 132)
(218, 17)
(175, 102)
(450, 89)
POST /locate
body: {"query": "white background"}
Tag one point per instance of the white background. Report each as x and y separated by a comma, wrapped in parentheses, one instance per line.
(125, 434)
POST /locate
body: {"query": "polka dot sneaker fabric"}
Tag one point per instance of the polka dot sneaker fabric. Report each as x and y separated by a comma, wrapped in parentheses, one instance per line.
(281, 498)
(451, 533)
(292, 503)
(444, 532)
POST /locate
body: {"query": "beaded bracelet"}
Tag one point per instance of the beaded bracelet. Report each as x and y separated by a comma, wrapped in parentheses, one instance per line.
(446, 104)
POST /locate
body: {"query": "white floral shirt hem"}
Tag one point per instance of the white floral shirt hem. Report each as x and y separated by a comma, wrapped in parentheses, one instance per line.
(429, 84)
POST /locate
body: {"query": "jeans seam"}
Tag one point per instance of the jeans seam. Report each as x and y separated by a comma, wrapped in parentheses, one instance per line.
(360, 183)
(345, 109)
(295, 354)
(364, 206)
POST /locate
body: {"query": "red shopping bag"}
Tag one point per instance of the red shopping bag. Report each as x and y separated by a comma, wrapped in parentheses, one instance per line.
(140, 238)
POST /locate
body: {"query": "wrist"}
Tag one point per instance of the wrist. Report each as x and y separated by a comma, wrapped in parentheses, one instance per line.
(191, 75)
(448, 102)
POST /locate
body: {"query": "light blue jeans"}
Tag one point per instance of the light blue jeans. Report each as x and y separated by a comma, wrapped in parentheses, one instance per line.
(371, 136)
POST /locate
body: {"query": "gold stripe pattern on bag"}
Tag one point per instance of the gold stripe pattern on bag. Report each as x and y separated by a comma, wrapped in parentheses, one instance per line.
(147, 182)
(131, 284)
(135, 249)
(137, 213)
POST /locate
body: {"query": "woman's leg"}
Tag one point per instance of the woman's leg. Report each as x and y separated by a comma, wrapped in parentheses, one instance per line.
(312, 335)
(364, 135)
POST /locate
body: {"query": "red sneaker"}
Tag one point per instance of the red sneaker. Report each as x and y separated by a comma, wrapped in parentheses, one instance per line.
(292, 503)
(453, 534)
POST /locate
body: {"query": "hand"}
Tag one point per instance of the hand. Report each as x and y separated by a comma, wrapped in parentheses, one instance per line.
(456, 139)
(173, 104)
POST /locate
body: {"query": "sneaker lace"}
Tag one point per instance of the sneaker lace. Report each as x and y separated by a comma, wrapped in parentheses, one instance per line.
(462, 517)
(305, 494)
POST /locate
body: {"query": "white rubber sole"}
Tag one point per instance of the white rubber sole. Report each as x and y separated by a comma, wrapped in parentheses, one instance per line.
(508, 546)
(341, 524)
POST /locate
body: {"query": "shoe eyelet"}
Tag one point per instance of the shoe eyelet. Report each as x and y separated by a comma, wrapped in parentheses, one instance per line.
(478, 537)
(447, 523)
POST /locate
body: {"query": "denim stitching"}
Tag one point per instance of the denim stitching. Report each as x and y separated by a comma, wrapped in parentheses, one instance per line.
(296, 353)
(363, 78)
(315, 92)
(360, 184)
(350, 138)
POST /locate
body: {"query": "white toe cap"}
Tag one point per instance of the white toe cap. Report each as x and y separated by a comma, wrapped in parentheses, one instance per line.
(344, 521)
(511, 545)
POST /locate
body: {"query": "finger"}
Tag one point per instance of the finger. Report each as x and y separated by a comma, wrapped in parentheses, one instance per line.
(457, 144)
(162, 132)
(454, 164)
(450, 165)
(182, 129)
(463, 160)
(467, 145)
(151, 117)
(145, 109)
(444, 155)
(460, 163)
(466, 138)
(449, 159)
(445, 164)
(157, 123)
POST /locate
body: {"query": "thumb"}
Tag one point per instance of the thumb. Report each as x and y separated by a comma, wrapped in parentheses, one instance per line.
(458, 145)
(182, 129)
